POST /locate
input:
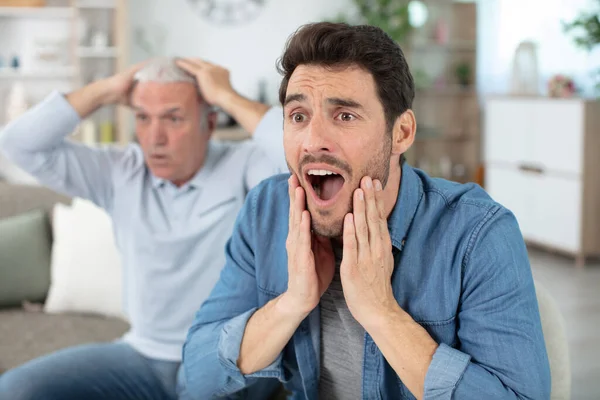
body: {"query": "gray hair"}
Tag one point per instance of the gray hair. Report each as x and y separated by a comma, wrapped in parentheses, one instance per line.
(163, 70)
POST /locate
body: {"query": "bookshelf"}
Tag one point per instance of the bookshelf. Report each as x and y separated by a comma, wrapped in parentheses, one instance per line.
(442, 57)
(63, 45)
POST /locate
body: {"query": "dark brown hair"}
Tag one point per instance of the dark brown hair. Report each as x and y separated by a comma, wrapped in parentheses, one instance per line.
(338, 44)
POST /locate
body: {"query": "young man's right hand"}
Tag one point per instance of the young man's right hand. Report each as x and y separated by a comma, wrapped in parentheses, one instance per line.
(311, 266)
(311, 262)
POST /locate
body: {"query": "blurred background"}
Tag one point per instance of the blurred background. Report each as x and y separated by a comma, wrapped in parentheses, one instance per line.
(507, 97)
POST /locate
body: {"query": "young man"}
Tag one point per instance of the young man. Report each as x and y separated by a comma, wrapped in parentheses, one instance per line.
(359, 276)
(173, 198)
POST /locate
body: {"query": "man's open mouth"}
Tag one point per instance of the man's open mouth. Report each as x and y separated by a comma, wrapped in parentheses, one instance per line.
(325, 183)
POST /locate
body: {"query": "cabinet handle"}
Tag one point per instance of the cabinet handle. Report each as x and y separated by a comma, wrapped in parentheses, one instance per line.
(531, 168)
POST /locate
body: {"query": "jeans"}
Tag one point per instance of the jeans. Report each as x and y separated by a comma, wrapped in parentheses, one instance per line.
(96, 371)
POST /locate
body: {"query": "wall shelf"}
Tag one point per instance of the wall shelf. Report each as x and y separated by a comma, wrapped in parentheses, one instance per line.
(96, 4)
(54, 73)
(36, 12)
(444, 50)
(91, 52)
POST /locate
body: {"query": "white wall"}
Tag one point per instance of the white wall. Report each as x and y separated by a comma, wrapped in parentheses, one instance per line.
(249, 50)
(503, 24)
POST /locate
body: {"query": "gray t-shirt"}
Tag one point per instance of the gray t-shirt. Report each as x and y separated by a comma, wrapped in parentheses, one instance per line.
(342, 344)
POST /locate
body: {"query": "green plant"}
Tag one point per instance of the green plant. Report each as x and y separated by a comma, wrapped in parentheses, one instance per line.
(389, 15)
(586, 31)
(463, 73)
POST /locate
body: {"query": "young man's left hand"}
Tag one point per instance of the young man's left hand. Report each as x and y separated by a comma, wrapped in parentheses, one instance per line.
(368, 262)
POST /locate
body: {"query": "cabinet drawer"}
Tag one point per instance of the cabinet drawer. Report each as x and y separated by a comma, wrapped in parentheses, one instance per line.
(548, 208)
(557, 212)
(557, 136)
(508, 125)
(511, 188)
(545, 134)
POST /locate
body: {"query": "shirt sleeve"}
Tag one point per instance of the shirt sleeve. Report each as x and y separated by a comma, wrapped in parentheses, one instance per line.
(501, 352)
(213, 344)
(36, 142)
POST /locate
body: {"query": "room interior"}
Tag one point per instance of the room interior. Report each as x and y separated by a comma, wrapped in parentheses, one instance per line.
(507, 97)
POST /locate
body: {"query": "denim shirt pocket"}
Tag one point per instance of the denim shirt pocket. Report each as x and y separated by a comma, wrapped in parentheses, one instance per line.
(442, 331)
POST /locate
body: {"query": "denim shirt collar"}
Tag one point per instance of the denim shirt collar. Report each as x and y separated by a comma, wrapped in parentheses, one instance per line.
(403, 213)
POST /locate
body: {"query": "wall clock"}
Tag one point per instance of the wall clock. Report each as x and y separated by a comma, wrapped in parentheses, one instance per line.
(227, 12)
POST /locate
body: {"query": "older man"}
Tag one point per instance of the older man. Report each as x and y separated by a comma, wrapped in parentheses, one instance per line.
(173, 198)
(390, 284)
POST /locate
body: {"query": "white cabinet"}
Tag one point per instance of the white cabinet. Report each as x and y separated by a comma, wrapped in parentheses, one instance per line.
(542, 161)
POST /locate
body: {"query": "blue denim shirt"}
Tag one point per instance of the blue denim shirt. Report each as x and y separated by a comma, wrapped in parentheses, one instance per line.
(461, 271)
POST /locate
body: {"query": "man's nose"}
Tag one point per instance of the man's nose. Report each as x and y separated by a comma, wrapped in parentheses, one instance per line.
(317, 138)
(158, 136)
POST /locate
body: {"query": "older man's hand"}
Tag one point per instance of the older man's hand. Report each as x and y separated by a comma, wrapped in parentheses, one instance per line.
(213, 80)
(112, 90)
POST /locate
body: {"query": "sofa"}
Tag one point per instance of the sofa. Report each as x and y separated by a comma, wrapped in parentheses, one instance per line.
(26, 331)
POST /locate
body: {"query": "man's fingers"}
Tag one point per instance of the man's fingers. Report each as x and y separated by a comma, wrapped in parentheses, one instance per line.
(382, 223)
(298, 206)
(193, 64)
(304, 235)
(360, 222)
(372, 212)
(291, 191)
(187, 65)
(350, 255)
(135, 68)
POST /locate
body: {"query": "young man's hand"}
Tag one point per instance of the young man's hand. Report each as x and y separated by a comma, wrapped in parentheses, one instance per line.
(311, 263)
(368, 262)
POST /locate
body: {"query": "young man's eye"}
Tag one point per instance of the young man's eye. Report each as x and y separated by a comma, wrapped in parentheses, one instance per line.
(298, 117)
(346, 117)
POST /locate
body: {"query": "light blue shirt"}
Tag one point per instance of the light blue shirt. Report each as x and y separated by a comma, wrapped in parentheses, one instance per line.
(171, 239)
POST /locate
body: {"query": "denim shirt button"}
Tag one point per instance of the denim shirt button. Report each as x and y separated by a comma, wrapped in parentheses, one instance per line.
(373, 348)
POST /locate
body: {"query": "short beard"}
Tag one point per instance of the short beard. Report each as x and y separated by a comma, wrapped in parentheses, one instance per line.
(378, 168)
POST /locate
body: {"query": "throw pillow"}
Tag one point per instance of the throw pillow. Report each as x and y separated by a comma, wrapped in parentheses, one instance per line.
(86, 272)
(25, 248)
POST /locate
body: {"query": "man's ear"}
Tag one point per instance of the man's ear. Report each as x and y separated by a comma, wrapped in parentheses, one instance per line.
(403, 132)
(211, 121)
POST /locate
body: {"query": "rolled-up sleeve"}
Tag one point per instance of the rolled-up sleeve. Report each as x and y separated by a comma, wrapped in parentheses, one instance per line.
(501, 352)
(212, 348)
(447, 367)
(229, 351)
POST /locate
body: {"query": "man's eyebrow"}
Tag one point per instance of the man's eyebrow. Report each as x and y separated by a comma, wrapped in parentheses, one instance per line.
(294, 97)
(336, 101)
(171, 110)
